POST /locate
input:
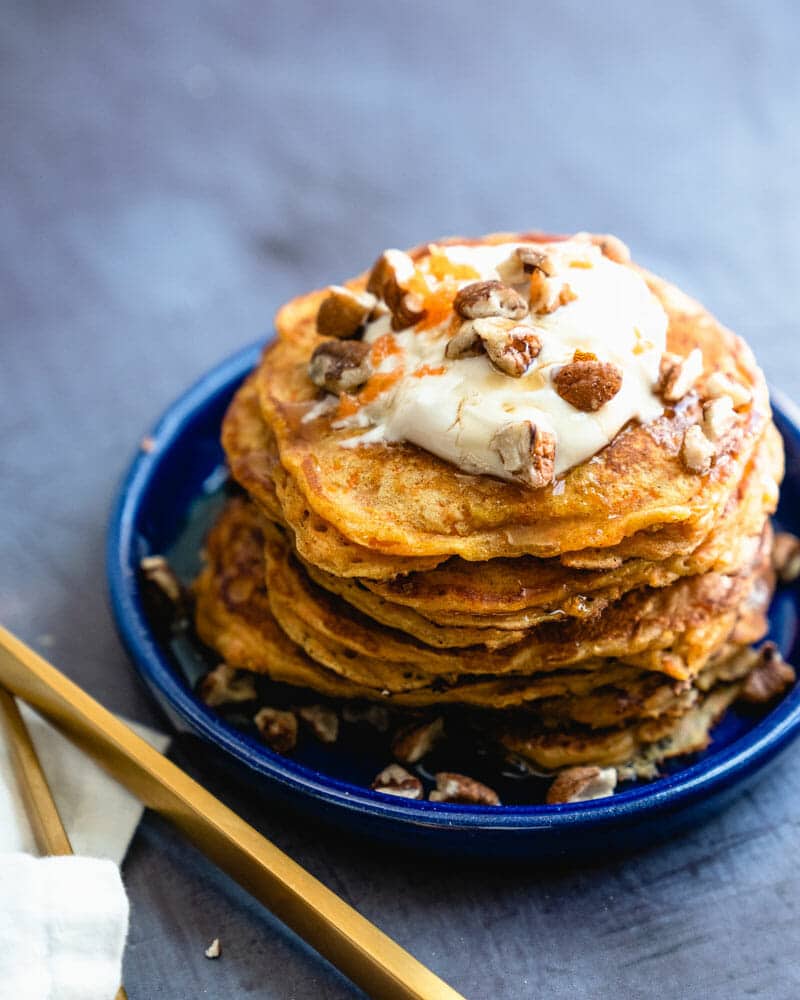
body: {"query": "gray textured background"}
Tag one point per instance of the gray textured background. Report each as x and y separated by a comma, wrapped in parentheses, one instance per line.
(169, 174)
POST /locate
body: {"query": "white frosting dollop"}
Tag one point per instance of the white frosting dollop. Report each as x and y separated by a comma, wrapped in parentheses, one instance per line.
(455, 411)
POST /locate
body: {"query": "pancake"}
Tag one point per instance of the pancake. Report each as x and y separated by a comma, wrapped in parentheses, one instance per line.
(636, 748)
(680, 618)
(401, 500)
(602, 610)
(254, 463)
(520, 593)
(235, 616)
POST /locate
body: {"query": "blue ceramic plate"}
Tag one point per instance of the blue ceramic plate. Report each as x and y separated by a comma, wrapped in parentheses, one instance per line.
(166, 503)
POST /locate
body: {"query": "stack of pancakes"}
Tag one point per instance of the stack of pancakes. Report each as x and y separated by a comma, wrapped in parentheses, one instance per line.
(605, 619)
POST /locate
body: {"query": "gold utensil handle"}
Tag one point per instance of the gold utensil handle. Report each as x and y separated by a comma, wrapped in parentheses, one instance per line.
(355, 946)
(40, 806)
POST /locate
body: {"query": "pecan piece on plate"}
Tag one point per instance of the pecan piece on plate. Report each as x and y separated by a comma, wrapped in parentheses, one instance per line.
(224, 685)
(413, 743)
(322, 721)
(786, 556)
(395, 780)
(769, 678)
(278, 728)
(453, 787)
(581, 784)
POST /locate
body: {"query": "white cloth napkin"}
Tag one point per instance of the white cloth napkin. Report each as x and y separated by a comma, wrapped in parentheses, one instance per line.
(63, 921)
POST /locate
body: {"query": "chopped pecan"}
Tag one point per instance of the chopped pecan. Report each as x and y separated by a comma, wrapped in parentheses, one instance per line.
(322, 721)
(340, 365)
(393, 267)
(168, 602)
(786, 556)
(395, 780)
(407, 310)
(278, 729)
(720, 384)
(413, 743)
(157, 570)
(224, 685)
(489, 298)
(718, 417)
(532, 260)
(770, 677)
(510, 347)
(524, 261)
(588, 384)
(697, 451)
(389, 280)
(527, 453)
(581, 784)
(452, 787)
(214, 950)
(343, 312)
(678, 375)
(466, 343)
(372, 715)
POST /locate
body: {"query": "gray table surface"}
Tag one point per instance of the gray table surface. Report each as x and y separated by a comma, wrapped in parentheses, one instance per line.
(169, 174)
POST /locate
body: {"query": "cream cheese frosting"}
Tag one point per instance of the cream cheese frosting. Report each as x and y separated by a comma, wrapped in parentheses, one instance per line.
(454, 407)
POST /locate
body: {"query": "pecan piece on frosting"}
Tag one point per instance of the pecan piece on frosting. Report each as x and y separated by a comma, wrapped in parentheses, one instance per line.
(587, 384)
(770, 677)
(489, 298)
(388, 280)
(510, 347)
(581, 784)
(452, 787)
(343, 312)
(697, 451)
(340, 365)
(395, 780)
(523, 262)
(527, 453)
(678, 375)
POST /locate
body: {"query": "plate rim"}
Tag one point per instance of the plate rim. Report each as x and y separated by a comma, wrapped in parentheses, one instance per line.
(699, 780)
